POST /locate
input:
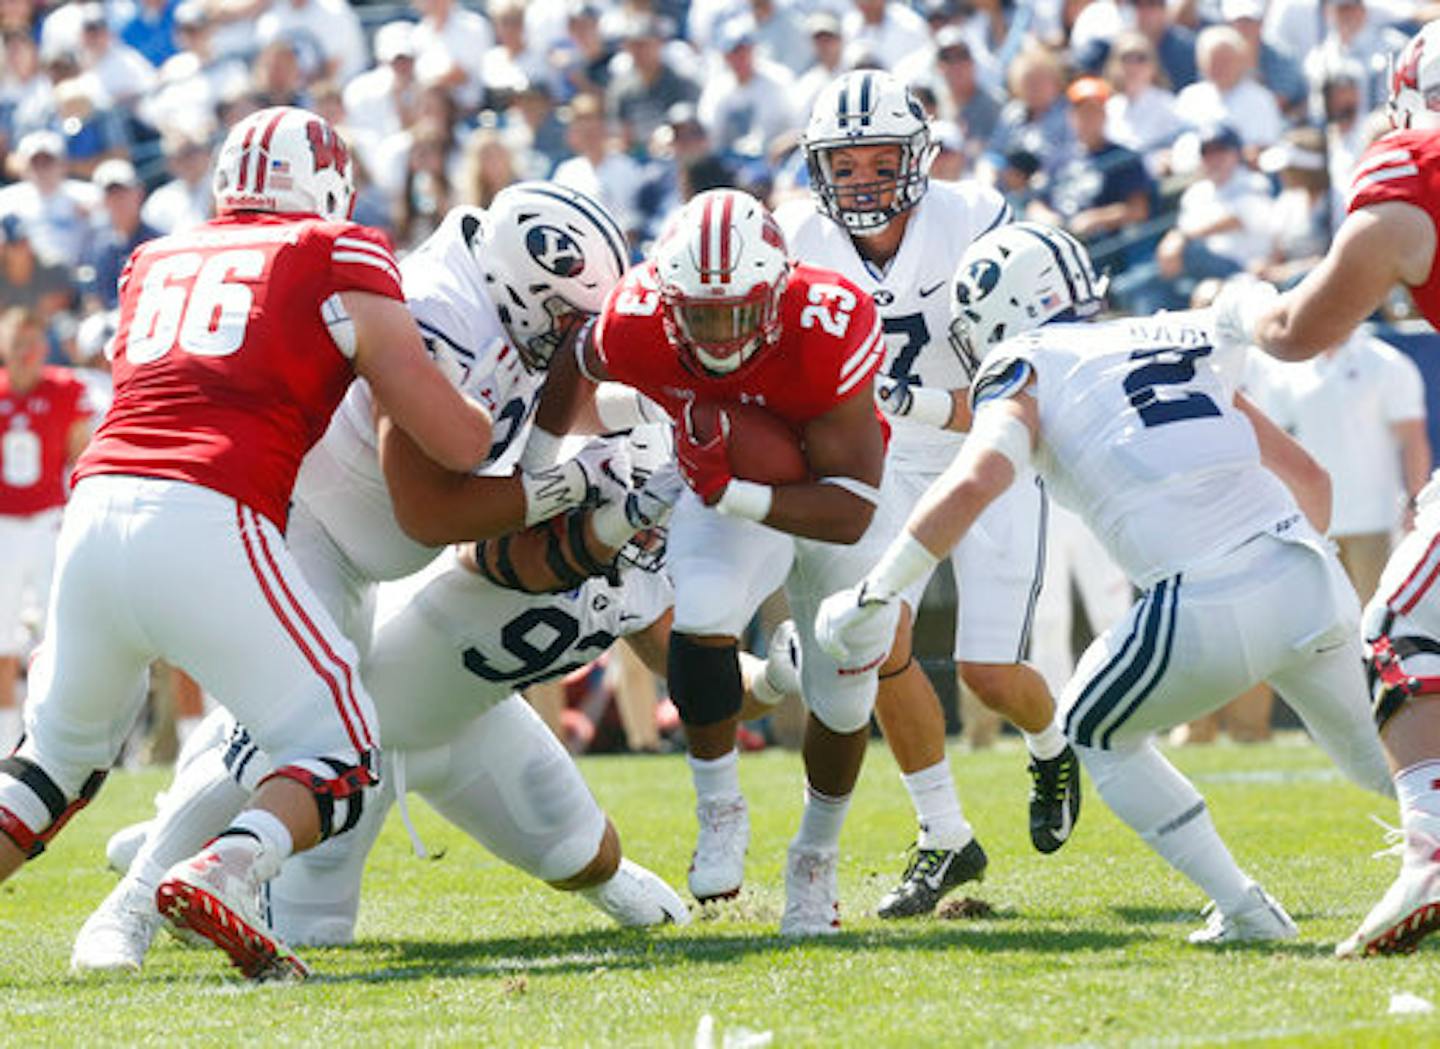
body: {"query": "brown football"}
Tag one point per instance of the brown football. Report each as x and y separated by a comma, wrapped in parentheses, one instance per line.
(762, 446)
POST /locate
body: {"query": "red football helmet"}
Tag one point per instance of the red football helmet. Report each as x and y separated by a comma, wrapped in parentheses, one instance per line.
(286, 160)
(722, 266)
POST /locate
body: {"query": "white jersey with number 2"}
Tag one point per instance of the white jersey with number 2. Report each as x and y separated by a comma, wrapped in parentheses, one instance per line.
(1140, 436)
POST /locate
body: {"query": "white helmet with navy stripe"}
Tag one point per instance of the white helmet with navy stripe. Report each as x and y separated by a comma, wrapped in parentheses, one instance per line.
(284, 160)
(548, 254)
(868, 107)
(1016, 278)
(1415, 81)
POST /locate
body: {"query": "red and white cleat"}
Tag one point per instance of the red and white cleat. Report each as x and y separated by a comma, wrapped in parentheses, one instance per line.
(717, 868)
(1409, 911)
(215, 896)
(812, 895)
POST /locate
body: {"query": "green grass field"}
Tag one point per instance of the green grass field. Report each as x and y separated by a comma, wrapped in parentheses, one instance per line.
(1086, 947)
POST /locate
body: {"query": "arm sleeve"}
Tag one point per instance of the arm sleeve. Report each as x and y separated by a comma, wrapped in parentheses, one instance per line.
(361, 260)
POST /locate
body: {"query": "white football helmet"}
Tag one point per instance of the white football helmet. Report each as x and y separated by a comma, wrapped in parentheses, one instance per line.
(548, 253)
(722, 267)
(1415, 81)
(1016, 278)
(868, 108)
(286, 160)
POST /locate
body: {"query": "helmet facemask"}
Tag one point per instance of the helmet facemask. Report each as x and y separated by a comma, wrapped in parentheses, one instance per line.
(722, 334)
(839, 202)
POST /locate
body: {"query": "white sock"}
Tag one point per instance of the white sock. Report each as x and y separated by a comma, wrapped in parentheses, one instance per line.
(1046, 744)
(1192, 845)
(199, 804)
(937, 807)
(185, 728)
(12, 725)
(716, 779)
(1418, 788)
(264, 836)
(821, 821)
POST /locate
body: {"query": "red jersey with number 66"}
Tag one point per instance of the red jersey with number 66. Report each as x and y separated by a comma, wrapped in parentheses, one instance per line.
(225, 372)
(830, 346)
(1404, 166)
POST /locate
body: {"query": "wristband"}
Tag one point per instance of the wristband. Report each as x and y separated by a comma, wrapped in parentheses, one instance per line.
(621, 407)
(746, 499)
(906, 561)
(553, 491)
(930, 406)
(612, 523)
(542, 450)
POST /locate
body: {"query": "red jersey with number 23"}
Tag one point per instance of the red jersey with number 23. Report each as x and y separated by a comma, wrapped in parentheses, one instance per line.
(1404, 166)
(225, 373)
(829, 347)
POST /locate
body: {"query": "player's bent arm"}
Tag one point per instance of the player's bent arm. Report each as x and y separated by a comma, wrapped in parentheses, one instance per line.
(652, 645)
(844, 444)
(436, 506)
(1376, 248)
(1281, 454)
(567, 400)
(453, 430)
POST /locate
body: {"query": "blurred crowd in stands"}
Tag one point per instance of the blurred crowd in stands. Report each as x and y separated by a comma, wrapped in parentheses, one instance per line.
(1182, 140)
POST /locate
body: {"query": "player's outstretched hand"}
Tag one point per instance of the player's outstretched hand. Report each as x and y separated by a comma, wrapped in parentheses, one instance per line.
(704, 465)
(1239, 307)
(846, 617)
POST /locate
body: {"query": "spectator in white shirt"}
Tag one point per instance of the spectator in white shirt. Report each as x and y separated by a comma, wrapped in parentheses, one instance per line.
(781, 35)
(1227, 93)
(1378, 460)
(193, 81)
(52, 210)
(1140, 115)
(885, 32)
(122, 71)
(381, 101)
(511, 65)
(450, 47)
(826, 61)
(186, 200)
(748, 105)
(600, 167)
(326, 33)
(1354, 33)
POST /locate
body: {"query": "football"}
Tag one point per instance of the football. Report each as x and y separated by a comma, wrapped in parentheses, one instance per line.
(761, 445)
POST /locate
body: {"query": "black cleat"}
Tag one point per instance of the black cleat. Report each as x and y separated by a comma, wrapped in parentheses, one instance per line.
(1054, 799)
(930, 874)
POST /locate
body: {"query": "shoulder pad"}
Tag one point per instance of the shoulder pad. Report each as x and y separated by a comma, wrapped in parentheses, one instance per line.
(1003, 375)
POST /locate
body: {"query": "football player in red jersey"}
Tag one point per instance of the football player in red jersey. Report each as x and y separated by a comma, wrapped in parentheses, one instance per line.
(236, 341)
(44, 424)
(722, 315)
(1391, 236)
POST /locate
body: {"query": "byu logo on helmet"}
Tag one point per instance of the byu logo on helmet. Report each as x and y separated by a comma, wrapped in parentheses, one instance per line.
(555, 250)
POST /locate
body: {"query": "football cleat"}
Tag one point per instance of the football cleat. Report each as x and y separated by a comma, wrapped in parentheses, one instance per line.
(717, 868)
(215, 895)
(930, 874)
(1054, 799)
(812, 894)
(117, 935)
(1410, 909)
(1262, 918)
(636, 897)
(123, 845)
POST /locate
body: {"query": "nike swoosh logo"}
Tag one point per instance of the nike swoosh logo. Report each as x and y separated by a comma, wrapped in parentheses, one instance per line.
(935, 880)
(927, 292)
(1062, 833)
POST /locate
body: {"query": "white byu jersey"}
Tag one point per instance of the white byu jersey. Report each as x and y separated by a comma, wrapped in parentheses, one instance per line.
(912, 294)
(1140, 436)
(449, 644)
(340, 481)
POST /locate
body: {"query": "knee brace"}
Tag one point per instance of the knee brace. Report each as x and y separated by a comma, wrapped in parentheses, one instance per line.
(339, 789)
(705, 682)
(1390, 683)
(31, 778)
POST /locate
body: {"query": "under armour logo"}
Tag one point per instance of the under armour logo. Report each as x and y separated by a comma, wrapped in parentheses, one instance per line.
(555, 251)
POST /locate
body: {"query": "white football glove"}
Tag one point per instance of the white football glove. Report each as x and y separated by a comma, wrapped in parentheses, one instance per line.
(647, 507)
(846, 617)
(1239, 307)
(900, 399)
(599, 473)
(782, 663)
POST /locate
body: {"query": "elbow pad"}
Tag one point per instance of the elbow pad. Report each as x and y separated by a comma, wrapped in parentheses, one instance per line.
(339, 325)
